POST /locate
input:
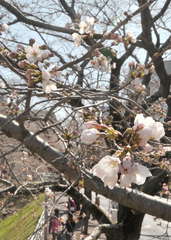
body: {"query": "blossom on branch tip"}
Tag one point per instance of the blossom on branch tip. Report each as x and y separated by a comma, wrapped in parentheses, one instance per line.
(89, 136)
(35, 54)
(130, 38)
(77, 39)
(146, 128)
(132, 172)
(86, 26)
(4, 27)
(47, 84)
(107, 170)
(101, 63)
(147, 148)
(110, 167)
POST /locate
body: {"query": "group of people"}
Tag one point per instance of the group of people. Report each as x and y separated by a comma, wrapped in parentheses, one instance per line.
(59, 229)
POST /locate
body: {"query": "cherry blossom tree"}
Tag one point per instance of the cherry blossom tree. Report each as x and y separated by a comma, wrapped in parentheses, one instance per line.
(85, 88)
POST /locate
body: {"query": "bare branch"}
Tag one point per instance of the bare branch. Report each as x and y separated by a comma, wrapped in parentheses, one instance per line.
(70, 10)
(21, 18)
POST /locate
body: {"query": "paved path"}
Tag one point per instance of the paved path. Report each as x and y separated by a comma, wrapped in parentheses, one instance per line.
(61, 205)
(152, 228)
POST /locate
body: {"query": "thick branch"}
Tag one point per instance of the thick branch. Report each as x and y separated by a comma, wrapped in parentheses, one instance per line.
(162, 11)
(36, 145)
(127, 197)
(70, 10)
(115, 230)
(146, 20)
(21, 18)
(96, 212)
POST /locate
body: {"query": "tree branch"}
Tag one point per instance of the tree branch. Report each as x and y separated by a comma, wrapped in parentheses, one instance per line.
(21, 18)
(127, 197)
(70, 10)
(162, 11)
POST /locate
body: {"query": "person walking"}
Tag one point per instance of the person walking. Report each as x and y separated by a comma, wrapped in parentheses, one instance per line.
(55, 225)
(70, 225)
(71, 205)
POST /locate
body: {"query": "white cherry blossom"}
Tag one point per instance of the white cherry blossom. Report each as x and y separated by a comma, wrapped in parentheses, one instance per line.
(86, 26)
(45, 54)
(107, 170)
(89, 136)
(35, 54)
(90, 20)
(147, 129)
(77, 39)
(130, 37)
(4, 27)
(147, 148)
(137, 85)
(101, 63)
(133, 173)
(108, 167)
(47, 84)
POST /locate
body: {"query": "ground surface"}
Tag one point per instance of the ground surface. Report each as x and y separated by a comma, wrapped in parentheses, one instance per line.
(152, 229)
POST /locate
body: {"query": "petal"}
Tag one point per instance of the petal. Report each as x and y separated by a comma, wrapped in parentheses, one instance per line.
(107, 170)
(158, 131)
(89, 136)
(126, 180)
(143, 170)
(139, 119)
(98, 171)
(111, 182)
(140, 179)
(28, 49)
(147, 148)
(142, 173)
(108, 165)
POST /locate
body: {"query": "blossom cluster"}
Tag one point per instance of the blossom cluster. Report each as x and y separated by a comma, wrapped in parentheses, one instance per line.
(36, 70)
(85, 27)
(101, 62)
(33, 62)
(121, 168)
(129, 38)
(137, 72)
(111, 170)
(147, 129)
(35, 54)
